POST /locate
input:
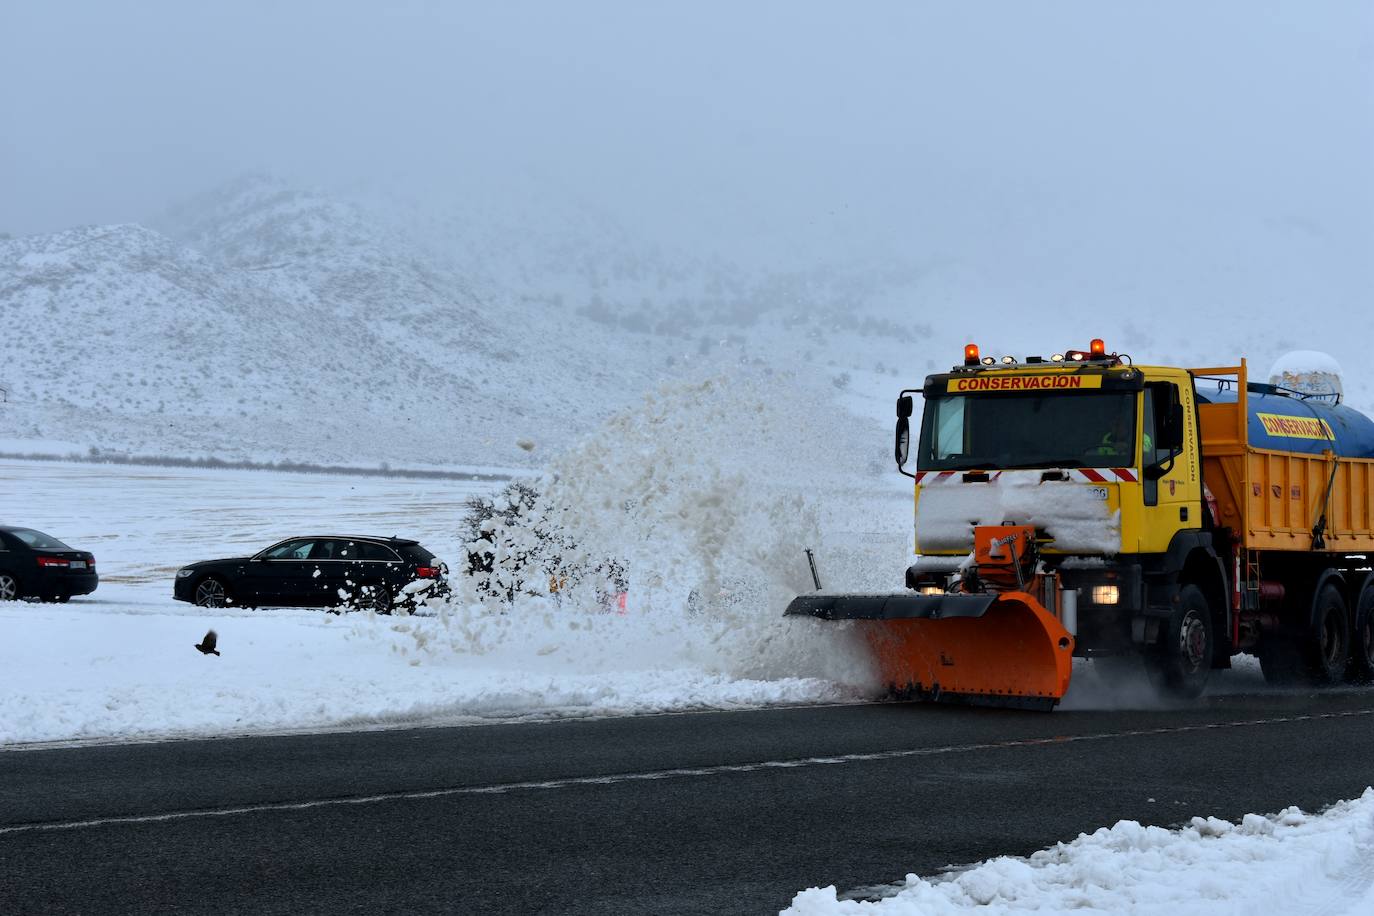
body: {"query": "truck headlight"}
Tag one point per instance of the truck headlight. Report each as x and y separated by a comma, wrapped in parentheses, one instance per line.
(1106, 594)
(930, 590)
(183, 573)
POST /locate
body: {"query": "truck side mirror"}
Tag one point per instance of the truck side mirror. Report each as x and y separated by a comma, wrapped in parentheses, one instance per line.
(903, 445)
(904, 407)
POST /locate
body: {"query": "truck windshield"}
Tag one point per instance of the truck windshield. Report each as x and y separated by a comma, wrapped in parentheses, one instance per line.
(1089, 429)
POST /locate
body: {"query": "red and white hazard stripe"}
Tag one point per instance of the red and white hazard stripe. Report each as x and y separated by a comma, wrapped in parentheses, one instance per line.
(1086, 475)
(930, 478)
(1103, 475)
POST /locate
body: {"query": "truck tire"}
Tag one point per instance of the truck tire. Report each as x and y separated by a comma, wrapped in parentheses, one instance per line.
(1181, 661)
(1326, 652)
(1280, 661)
(1361, 670)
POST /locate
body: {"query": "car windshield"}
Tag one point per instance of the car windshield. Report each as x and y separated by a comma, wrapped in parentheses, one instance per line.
(38, 539)
(1028, 430)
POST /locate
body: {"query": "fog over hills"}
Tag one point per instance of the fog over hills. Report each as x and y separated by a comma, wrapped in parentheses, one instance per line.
(267, 322)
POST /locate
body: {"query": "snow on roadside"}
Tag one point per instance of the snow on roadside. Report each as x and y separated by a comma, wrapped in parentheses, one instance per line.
(1282, 863)
(68, 674)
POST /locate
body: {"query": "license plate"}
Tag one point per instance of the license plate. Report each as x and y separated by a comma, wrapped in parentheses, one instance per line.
(77, 564)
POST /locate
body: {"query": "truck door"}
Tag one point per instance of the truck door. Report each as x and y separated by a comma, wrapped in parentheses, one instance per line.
(1169, 475)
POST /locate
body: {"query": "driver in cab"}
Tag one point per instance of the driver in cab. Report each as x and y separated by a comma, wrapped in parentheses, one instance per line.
(1118, 440)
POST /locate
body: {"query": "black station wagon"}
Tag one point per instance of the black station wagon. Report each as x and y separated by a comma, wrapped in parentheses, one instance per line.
(321, 571)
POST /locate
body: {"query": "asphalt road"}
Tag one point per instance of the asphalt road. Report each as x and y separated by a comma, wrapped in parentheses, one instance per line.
(700, 813)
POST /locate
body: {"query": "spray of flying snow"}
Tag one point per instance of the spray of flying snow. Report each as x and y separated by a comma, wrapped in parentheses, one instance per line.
(680, 496)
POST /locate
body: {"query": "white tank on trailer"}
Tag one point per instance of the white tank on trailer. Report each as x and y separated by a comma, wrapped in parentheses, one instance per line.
(1309, 371)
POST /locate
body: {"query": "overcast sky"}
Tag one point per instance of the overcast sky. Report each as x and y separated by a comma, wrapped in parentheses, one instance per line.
(1035, 133)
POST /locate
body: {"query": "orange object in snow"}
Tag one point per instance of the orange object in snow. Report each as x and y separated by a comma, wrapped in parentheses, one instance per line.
(1016, 654)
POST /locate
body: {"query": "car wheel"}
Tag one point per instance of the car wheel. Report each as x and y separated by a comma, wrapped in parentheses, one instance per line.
(9, 587)
(376, 598)
(212, 592)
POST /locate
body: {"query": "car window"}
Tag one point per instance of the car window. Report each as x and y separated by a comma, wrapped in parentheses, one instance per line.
(377, 552)
(38, 539)
(418, 554)
(292, 550)
(348, 550)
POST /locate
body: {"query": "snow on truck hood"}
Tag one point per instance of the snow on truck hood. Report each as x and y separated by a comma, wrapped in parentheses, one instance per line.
(1074, 512)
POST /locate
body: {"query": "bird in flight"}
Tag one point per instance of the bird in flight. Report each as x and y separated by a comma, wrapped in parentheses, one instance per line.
(207, 645)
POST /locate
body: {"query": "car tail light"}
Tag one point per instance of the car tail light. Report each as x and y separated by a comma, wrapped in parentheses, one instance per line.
(90, 561)
(427, 572)
(53, 561)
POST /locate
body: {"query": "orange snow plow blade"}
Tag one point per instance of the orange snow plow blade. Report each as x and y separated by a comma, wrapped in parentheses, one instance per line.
(992, 649)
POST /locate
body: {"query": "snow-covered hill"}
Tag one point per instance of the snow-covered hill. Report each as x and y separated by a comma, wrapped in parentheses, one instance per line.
(283, 324)
(262, 321)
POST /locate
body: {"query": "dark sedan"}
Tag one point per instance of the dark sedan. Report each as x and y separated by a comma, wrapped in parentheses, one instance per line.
(38, 565)
(319, 571)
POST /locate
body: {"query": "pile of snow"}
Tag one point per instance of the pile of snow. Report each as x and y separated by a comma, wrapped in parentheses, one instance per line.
(1283, 863)
(1308, 371)
(67, 673)
(1068, 511)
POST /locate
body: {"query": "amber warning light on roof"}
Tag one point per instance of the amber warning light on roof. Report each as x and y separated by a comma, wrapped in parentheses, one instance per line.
(971, 355)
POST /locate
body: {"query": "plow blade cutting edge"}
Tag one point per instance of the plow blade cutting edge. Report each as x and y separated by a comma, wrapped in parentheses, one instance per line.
(992, 649)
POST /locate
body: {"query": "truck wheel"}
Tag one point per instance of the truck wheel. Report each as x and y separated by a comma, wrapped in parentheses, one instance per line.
(1280, 661)
(1361, 670)
(1327, 651)
(1182, 660)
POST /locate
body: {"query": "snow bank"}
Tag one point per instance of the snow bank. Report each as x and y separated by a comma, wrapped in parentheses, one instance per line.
(1287, 862)
(68, 674)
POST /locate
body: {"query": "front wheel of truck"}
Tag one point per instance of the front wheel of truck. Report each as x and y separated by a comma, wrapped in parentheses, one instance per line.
(1181, 661)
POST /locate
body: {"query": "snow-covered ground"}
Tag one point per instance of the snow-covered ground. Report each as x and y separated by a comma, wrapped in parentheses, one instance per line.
(1290, 862)
(119, 664)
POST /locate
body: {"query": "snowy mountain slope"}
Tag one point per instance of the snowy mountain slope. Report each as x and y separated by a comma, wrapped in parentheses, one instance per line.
(268, 322)
(162, 349)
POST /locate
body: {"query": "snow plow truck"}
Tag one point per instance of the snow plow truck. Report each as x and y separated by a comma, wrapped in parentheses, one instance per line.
(1080, 506)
